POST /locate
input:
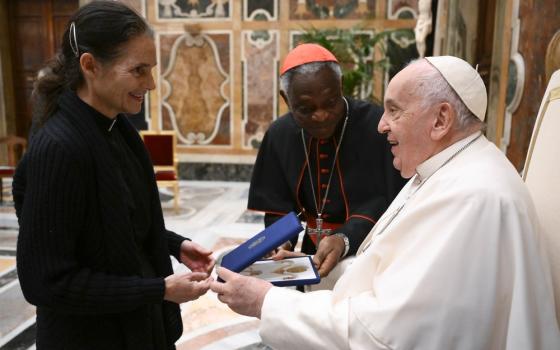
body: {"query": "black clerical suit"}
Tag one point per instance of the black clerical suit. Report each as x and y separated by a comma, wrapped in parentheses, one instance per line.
(362, 186)
(92, 250)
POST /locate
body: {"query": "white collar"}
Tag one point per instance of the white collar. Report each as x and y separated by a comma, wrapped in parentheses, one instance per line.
(432, 164)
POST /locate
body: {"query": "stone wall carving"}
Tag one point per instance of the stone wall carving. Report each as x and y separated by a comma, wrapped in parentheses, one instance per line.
(193, 9)
(402, 9)
(196, 87)
(254, 10)
(217, 74)
(260, 62)
(331, 9)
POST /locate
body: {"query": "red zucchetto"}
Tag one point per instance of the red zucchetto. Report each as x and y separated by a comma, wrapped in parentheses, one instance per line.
(306, 53)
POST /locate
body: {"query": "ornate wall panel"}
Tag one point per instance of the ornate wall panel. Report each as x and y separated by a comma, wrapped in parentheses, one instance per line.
(196, 87)
(193, 9)
(402, 9)
(254, 10)
(260, 84)
(331, 9)
(365, 91)
(217, 74)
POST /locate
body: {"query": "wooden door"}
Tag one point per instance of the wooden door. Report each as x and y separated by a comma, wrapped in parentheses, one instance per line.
(36, 29)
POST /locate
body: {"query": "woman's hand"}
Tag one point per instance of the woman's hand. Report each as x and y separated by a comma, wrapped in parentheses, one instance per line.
(196, 257)
(183, 287)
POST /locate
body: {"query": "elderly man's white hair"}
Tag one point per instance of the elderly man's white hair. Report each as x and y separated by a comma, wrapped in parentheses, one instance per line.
(308, 68)
(433, 88)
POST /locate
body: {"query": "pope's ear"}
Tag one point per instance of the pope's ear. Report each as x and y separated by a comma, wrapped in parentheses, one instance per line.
(445, 118)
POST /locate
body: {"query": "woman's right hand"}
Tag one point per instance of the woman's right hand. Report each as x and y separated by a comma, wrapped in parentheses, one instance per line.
(186, 286)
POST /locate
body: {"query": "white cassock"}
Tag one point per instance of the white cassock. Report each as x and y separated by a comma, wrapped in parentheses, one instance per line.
(458, 267)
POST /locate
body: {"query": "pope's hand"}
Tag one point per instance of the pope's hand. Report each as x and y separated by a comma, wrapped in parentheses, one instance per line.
(187, 286)
(244, 295)
(328, 254)
(196, 257)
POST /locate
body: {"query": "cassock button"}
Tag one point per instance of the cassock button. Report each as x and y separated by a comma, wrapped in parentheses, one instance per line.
(322, 142)
(324, 171)
(323, 185)
(323, 155)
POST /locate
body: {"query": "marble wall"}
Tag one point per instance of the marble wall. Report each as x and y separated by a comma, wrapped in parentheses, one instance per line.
(217, 74)
(539, 21)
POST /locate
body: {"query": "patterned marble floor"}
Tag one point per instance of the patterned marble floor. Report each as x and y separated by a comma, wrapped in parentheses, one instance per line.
(211, 213)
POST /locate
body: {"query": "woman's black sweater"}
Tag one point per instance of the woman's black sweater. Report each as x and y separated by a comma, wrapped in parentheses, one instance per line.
(78, 257)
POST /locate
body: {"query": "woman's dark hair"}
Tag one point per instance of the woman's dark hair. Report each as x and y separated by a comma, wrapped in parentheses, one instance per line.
(101, 28)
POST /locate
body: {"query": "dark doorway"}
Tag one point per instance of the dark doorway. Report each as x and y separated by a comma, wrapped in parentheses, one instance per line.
(36, 28)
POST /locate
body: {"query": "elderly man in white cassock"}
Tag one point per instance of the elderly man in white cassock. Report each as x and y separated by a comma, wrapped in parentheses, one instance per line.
(455, 261)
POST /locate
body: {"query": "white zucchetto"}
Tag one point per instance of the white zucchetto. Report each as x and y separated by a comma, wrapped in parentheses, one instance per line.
(464, 80)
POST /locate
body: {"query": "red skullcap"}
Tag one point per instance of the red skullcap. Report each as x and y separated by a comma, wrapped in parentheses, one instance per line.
(306, 53)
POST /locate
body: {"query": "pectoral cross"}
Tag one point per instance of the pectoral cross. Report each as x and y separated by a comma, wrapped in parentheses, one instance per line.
(318, 230)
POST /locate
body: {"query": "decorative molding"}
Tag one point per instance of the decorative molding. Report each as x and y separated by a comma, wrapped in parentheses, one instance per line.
(248, 39)
(319, 10)
(188, 10)
(441, 25)
(240, 127)
(402, 40)
(256, 14)
(198, 40)
(406, 7)
(501, 56)
(516, 78)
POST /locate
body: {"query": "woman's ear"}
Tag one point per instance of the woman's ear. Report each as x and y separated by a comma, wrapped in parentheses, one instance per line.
(443, 121)
(88, 64)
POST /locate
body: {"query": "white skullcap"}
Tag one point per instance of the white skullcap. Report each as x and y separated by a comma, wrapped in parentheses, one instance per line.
(465, 81)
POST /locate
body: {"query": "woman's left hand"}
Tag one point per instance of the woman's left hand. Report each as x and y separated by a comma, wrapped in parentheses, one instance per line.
(196, 257)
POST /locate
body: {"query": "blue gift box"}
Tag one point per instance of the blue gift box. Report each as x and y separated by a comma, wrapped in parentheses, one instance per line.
(262, 243)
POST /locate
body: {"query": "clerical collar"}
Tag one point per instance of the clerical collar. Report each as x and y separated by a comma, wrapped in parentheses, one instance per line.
(104, 123)
(429, 166)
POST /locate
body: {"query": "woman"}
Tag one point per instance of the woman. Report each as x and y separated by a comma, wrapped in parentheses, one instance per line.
(93, 251)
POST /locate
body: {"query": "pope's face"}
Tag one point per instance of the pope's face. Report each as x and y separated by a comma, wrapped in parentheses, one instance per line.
(407, 122)
(316, 102)
(120, 85)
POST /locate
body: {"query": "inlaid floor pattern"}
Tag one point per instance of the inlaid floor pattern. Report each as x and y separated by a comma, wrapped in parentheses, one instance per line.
(211, 213)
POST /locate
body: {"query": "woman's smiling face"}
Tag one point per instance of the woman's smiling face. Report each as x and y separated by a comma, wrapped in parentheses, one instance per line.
(120, 85)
